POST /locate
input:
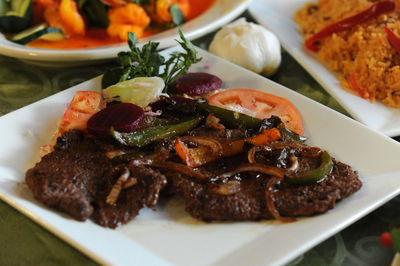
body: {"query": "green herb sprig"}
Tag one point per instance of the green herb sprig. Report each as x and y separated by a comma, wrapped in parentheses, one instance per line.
(148, 62)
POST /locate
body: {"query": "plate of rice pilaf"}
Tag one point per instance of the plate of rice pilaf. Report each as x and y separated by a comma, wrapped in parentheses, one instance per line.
(351, 47)
(363, 52)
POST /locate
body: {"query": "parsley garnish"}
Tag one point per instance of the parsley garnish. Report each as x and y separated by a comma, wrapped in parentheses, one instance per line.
(148, 62)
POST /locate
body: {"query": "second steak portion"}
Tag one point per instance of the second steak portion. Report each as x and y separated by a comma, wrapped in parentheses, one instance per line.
(245, 199)
(242, 196)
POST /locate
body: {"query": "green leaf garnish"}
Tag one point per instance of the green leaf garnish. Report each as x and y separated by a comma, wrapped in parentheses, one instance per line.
(148, 62)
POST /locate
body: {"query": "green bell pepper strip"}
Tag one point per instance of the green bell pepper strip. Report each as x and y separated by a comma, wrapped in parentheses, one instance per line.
(291, 134)
(313, 175)
(395, 234)
(230, 118)
(235, 119)
(143, 137)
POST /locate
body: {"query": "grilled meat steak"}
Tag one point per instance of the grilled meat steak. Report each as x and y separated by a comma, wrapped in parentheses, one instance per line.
(243, 196)
(77, 177)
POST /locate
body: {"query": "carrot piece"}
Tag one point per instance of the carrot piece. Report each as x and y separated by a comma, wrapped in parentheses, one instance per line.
(193, 157)
(235, 147)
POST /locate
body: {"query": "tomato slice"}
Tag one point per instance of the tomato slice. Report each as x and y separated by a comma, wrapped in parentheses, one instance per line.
(86, 102)
(82, 107)
(260, 105)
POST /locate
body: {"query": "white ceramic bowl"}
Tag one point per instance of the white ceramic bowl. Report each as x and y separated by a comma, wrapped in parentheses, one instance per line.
(222, 12)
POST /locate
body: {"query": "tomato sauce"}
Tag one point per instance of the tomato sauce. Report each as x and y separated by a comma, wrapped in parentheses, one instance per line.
(96, 37)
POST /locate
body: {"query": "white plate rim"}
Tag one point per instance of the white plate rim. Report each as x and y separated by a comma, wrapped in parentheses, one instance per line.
(372, 195)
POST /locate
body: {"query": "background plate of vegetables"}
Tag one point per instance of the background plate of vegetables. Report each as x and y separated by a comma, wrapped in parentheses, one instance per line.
(74, 32)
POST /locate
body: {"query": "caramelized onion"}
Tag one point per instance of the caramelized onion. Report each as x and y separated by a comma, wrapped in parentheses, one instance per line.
(213, 145)
(305, 150)
(311, 152)
(270, 201)
(295, 164)
(178, 167)
(117, 187)
(256, 167)
(252, 152)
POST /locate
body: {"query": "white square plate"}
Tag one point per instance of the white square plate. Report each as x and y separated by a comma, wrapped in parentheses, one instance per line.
(278, 17)
(170, 236)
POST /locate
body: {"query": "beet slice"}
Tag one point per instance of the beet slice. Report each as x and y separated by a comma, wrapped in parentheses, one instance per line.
(197, 83)
(123, 117)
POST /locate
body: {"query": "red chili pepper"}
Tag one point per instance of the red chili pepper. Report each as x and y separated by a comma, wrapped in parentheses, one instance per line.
(393, 39)
(386, 239)
(352, 79)
(372, 12)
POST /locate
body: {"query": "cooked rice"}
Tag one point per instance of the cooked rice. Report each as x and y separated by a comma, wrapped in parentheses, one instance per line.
(364, 50)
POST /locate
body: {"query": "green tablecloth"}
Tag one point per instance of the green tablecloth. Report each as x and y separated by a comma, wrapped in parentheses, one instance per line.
(22, 242)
